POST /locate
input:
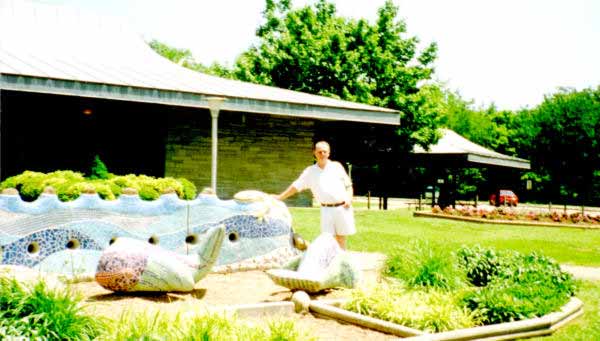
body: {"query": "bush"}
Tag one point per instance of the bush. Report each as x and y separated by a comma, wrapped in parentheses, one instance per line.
(41, 313)
(518, 287)
(421, 265)
(69, 185)
(482, 265)
(98, 170)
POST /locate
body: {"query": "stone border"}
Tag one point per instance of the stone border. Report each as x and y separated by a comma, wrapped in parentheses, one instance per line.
(504, 222)
(539, 326)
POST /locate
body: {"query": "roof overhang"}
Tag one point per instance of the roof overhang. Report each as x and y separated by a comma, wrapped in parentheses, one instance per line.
(66, 51)
(187, 99)
(454, 151)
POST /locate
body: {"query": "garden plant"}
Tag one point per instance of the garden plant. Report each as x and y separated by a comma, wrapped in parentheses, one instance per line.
(484, 253)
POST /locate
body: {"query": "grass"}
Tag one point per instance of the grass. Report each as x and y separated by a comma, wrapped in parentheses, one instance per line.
(433, 310)
(42, 312)
(203, 326)
(383, 231)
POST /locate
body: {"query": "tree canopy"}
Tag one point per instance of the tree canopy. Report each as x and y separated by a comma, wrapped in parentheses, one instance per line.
(314, 50)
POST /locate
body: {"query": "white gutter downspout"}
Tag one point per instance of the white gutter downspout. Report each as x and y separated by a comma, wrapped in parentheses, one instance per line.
(214, 104)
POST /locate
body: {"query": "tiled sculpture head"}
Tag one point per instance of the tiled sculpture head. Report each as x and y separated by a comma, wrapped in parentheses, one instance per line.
(324, 265)
(132, 265)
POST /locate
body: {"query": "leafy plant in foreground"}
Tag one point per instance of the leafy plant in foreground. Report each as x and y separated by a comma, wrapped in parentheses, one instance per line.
(422, 265)
(520, 287)
(42, 313)
(203, 326)
(433, 310)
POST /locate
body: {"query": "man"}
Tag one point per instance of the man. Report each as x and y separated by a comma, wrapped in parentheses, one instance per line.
(332, 187)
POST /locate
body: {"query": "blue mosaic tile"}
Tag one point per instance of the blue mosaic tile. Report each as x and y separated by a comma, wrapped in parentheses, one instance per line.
(47, 225)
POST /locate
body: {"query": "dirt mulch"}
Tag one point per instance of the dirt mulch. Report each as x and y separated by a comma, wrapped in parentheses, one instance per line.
(222, 290)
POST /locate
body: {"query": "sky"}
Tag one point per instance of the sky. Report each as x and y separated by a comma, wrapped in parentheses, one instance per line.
(507, 52)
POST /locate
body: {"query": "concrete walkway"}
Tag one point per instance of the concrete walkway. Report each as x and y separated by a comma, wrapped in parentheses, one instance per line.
(582, 272)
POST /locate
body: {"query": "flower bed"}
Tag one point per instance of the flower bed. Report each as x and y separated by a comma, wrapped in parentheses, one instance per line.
(504, 214)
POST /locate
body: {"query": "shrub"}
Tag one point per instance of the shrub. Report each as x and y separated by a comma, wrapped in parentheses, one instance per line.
(41, 313)
(98, 170)
(481, 265)
(519, 287)
(69, 185)
(421, 265)
(189, 189)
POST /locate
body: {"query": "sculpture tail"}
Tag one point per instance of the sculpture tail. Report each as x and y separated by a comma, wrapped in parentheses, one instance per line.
(208, 251)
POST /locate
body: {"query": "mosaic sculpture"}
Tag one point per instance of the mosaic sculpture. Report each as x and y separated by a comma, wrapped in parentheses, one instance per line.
(69, 237)
(324, 265)
(133, 265)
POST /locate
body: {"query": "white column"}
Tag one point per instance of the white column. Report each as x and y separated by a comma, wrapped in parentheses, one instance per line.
(214, 104)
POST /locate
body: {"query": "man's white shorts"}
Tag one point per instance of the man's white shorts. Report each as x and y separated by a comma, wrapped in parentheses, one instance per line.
(338, 220)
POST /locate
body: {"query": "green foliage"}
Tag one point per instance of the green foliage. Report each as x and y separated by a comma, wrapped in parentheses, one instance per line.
(382, 231)
(422, 265)
(212, 326)
(482, 265)
(43, 313)
(98, 170)
(184, 58)
(31, 184)
(518, 286)
(312, 49)
(565, 131)
(70, 185)
(431, 311)
(189, 190)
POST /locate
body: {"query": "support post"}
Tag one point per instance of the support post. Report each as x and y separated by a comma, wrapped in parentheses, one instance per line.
(0, 131)
(214, 104)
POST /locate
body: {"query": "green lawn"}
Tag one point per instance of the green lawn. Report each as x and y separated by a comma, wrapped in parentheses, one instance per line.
(381, 231)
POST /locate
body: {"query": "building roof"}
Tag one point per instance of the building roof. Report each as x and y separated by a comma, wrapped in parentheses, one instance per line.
(457, 150)
(62, 50)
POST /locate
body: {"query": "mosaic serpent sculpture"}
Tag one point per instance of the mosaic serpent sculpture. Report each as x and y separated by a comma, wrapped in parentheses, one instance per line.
(132, 265)
(69, 237)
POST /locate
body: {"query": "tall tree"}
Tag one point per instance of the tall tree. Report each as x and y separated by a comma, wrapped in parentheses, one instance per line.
(314, 50)
(185, 58)
(566, 142)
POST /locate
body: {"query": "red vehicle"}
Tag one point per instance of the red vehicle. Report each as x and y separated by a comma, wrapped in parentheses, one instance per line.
(504, 197)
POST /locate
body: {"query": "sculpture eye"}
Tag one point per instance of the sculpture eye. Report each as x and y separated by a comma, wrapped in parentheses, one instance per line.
(33, 248)
(191, 239)
(234, 236)
(73, 244)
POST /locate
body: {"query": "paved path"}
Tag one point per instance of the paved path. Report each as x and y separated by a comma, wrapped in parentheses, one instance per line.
(583, 272)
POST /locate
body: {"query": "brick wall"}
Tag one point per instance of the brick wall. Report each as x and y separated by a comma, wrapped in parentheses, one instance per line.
(259, 152)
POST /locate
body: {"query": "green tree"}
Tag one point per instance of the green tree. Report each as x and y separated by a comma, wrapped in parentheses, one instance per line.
(565, 142)
(185, 58)
(314, 50)
(98, 169)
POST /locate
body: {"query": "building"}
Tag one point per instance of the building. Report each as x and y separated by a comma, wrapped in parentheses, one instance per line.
(74, 85)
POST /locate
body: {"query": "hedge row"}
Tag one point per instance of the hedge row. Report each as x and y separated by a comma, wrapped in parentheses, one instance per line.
(68, 185)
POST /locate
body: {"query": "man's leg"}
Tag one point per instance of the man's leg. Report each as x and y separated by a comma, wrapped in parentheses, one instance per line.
(344, 225)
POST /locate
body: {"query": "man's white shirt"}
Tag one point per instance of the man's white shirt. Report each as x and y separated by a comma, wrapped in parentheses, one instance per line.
(328, 185)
